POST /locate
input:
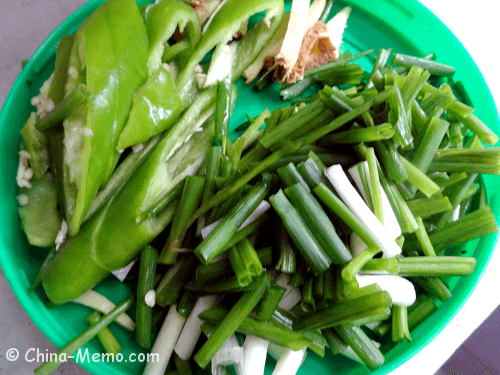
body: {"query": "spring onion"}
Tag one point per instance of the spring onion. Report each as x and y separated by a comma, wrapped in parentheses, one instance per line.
(165, 342)
(349, 195)
(228, 326)
(170, 286)
(214, 244)
(435, 68)
(301, 235)
(105, 336)
(100, 303)
(319, 223)
(184, 347)
(84, 337)
(402, 291)
(255, 353)
(144, 313)
(347, 312)
(362, 345)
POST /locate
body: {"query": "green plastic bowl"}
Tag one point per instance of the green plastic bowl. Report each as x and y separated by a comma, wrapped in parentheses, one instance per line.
(418, 32)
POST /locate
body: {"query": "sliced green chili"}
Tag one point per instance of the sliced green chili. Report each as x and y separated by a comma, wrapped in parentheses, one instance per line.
(71, 102)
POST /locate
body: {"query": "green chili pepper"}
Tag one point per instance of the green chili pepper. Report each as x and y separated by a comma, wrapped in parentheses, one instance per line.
(155, 109)
(39, 217)
(162, 18)
(112, 61)
(112, 237)
(225, 24)
(35, 143)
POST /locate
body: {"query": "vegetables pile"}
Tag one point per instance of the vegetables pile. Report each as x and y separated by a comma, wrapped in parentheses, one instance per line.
(326, 224)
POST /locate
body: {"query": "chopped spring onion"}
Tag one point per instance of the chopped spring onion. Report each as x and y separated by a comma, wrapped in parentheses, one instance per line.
(165, 342)
(351, 311)
(255, 353)
(435, 68)
(400, 328)
(243, 274)
(214, 244)
(371, 134)
(362, 345)
(100, 303)
(144, 312)
(318, 222)
(249, 257)
(290, 176)
(217, 270)
(421, 266)
(289, 362)
(189, 202)
(233, 319)
(402, 291)
(105, 336)
(434, 286)
(230, 353)
(473, 225)
(301, 235)
(423, 238)
(389, 218)
(170, 286)
(350, 196)
(212, 159)
(191, 332)
(84, 337)
(270, 301)
(425, 207)
(419, 179)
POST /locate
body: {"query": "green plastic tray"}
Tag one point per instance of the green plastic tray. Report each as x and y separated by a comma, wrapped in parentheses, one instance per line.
(404, 25)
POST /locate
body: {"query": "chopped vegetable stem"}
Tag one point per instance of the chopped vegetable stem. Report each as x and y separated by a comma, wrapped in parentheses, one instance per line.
(301, 235)
(232, 320)
(435, 68)
(319, 223)
(105, 336)
(400, 328)
(84, 337)
(144, 312)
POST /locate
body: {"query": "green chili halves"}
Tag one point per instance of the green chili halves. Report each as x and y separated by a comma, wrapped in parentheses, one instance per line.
(226, 23)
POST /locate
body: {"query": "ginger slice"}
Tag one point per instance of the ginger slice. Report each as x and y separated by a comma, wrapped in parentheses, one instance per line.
(320, 45)
(290, 49)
